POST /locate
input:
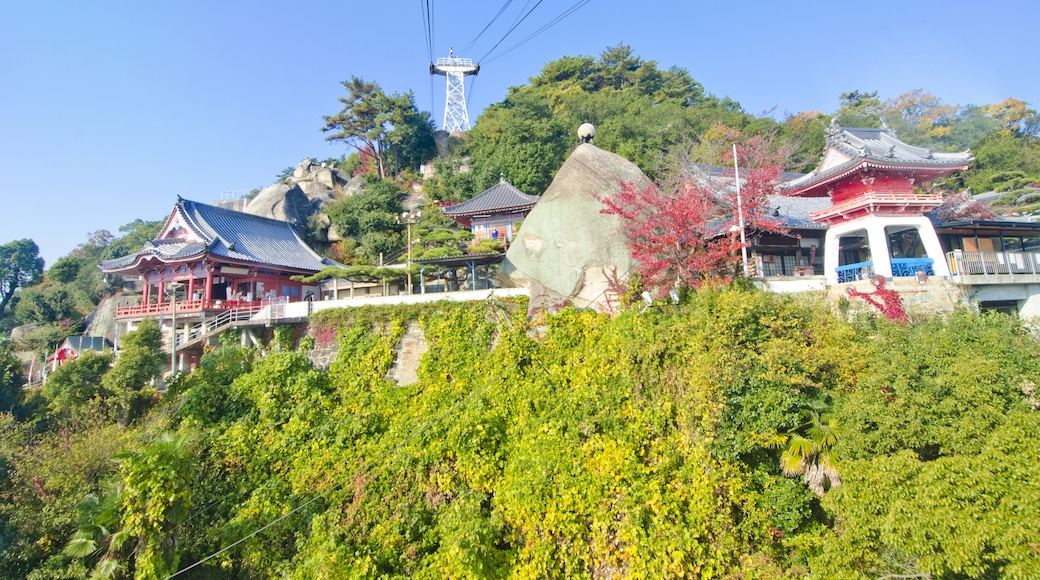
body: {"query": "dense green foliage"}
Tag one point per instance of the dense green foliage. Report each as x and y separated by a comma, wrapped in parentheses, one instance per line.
(386, 129)
(647, 444)
(72, 287)
(20, 266)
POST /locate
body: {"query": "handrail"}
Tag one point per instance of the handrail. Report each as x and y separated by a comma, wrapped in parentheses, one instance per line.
(993, 263)
(210, 326)
(853, 272)
(911, 266)
(874, 197)
(185, 307)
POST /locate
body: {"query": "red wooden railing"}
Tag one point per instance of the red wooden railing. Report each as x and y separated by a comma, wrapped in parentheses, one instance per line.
(184, 307)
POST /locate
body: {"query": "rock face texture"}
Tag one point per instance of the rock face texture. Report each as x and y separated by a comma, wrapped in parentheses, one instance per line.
(567, 251)
(310, 186)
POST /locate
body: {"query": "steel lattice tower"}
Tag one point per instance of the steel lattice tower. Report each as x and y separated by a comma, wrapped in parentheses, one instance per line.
(455, 69)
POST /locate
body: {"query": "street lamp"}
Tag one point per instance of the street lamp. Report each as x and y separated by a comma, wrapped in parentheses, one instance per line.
(173, 286)
(408, 218)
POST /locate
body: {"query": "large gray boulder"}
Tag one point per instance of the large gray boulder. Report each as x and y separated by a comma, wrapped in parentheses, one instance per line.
(282, 201)
(566, 250)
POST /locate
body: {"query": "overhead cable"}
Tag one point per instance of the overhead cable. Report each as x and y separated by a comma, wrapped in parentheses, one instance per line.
(508, 32)
(578, 5)
(500, 11)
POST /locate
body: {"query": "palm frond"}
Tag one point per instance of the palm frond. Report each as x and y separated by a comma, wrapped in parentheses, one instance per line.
(105, 570)
(792, 464)
(81, 547)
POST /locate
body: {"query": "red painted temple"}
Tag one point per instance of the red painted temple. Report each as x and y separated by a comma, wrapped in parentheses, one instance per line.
(209, 259)
(876, 222)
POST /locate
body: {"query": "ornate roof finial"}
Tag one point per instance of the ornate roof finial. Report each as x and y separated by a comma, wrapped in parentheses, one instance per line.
(502, 177)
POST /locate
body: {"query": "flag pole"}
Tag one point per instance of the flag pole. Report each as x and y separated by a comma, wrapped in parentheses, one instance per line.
(740, 212)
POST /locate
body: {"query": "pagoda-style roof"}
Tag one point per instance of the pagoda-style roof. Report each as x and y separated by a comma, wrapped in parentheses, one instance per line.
(854, 150)
(500, 198)
(196, 229)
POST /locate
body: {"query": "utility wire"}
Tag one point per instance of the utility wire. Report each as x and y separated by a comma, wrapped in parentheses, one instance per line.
(508, 32)
(365, 468)
(424, 5)
(500, 11)
(574, 8)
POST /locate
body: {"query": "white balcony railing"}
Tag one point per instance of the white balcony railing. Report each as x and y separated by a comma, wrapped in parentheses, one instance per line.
(992, 264)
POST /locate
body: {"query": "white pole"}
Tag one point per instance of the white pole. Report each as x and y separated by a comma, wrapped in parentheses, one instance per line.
(740, 212)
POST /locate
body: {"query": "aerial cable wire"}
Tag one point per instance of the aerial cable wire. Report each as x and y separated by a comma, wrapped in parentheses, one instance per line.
(424, 5)
(508, 32)
(364, 468)
(500, 11)
(574, 8)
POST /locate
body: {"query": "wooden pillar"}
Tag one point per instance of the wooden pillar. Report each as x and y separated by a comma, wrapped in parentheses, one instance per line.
(191, 285)
(207, 294)
(162, 292)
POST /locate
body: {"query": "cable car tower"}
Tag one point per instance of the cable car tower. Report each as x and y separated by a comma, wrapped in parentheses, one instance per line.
(455, 69)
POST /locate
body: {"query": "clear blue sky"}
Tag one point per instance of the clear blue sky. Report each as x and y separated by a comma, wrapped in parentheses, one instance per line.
(110, 109)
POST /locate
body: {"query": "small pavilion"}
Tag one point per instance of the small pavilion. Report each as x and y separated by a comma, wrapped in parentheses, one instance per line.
(876, 222)
(495, 213)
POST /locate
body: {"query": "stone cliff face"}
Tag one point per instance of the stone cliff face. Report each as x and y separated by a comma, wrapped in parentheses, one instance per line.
(302, 194)
(567, 251)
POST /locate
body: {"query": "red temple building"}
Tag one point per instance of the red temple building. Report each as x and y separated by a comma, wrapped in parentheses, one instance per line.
(876, 221)
(209, 260)
(74, 346)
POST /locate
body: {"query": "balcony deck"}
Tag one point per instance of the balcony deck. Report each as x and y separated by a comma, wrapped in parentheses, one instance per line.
(187, 308)
(975, 268)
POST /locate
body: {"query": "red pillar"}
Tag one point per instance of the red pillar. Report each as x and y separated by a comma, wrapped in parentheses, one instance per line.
(207, 294)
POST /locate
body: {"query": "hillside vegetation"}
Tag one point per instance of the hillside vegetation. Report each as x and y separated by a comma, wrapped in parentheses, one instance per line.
(652, 444)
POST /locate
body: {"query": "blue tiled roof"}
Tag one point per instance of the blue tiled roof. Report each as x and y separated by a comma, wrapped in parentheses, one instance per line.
(230, 234)
(499, 198)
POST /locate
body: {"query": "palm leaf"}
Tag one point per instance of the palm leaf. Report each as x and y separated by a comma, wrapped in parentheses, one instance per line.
(80, 547)
(105, 570)
(792, 464)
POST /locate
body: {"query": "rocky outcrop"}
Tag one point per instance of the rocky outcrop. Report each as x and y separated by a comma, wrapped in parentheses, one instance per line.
(567, 251)
(284, 202)
(300, 195)
(102, 322)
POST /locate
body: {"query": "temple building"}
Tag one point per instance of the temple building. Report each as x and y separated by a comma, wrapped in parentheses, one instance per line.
(208, 261)
(74, 346)
(876, 223)
(495, 213)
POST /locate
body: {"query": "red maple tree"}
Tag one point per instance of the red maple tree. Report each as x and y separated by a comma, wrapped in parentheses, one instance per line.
(690, 236)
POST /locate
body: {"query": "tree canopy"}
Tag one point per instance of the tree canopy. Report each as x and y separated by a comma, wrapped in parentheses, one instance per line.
(20, 266)
(388, 128)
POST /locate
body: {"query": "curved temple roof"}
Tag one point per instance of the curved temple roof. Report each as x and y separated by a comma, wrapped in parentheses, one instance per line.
(849, 148)
(499, 198)
(234, 235)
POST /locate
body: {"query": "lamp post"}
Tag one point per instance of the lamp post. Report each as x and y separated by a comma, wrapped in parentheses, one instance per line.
(173, 286)
(408, 218)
